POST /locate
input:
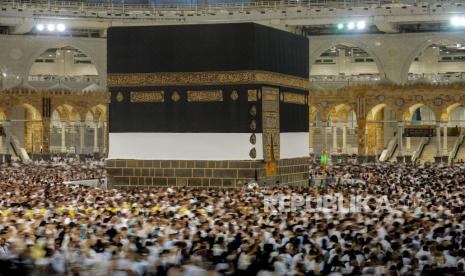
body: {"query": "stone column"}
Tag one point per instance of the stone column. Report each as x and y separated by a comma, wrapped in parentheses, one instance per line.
(6, 157)
(344, 138)
(45, 136)
(6, 127)
(400, 130)
(2, 140)
(82, 129)
(366, 152)
(63, 137)
(310, 137)
(409, 143)
(334, 129)
(361, 126)
(96, 137)
(104, 138)
(324, 124)
(446, 153)
(438, 141)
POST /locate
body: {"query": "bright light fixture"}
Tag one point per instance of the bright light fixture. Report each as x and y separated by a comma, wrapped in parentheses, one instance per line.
(361, 25)
(340, 26)
(351, 25)
(457, 21)
(61, 27)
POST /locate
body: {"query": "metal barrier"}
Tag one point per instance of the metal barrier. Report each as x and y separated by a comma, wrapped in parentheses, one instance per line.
(457, 145)
(421, 147)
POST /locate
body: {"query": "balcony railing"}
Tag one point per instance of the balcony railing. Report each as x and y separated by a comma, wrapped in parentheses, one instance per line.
(63, 79)
(334, 82)
(227, 5)
(437, 78)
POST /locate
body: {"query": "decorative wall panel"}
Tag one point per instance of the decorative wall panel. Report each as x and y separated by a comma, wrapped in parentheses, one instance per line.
(148, 97)
(294, 98)
(205, 96)
(270, 118)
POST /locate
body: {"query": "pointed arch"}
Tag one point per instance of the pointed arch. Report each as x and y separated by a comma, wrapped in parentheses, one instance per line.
(2, 115)
(97, 111)
(68, 112)
(312, 113)
(31, 112)
(375, 112)
(339, 113)
(432, 43)
(409, 113)
(64, 63)
(454, 115)
(356, 43)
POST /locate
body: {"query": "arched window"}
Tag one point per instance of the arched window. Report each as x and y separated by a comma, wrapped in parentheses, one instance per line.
(442, 62)
(66, 66)
(342, 65)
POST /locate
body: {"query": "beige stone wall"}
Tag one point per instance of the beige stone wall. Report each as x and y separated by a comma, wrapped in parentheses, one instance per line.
(127, 174)
(70, 106)
(368, 102)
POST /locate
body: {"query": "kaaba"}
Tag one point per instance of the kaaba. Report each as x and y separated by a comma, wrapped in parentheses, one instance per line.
(218, 105)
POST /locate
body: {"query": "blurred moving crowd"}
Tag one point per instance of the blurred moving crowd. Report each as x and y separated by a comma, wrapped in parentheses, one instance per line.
(50, 228)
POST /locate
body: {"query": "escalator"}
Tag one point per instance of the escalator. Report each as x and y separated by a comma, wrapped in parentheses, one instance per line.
(390, 153)
(429, 152)
(460, 156)
(17, 150)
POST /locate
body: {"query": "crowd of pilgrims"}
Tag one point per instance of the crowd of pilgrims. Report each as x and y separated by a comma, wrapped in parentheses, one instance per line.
(51, 228)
